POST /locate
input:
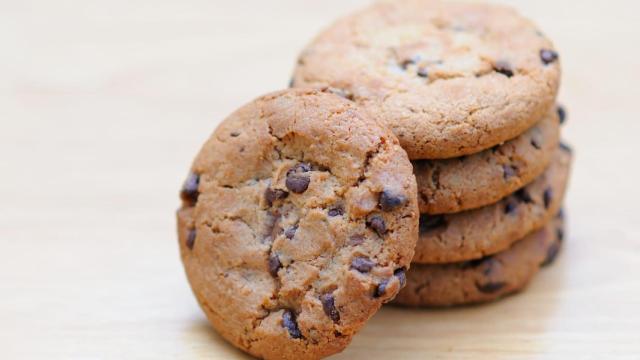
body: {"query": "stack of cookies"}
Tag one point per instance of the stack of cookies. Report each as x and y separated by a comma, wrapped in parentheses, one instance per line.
(470, 92)
(416, 158)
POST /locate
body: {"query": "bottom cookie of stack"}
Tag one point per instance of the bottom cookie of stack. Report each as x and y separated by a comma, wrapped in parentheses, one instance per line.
(485, 279)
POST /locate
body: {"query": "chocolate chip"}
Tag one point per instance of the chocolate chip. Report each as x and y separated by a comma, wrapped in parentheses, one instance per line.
(431, 222)
(189, 191)
(547, 196)
(560, 235)
(490, 287)
(523, 196)
(235, 134)
(274, 264)
(191, 239)
(362, 264)
(422, 72)
(289, 323)
(390, 200)
(357, 239)
(510, 207)
(503, 68)
(291, 232)
(401, 275)
(562, 114)
(329, 307)
(272, 195)
(566, 147)
(508, 171)
(296, 181)
(552, 254)
(336, 211)
(548, 56)
(381, 289)
(376, 222)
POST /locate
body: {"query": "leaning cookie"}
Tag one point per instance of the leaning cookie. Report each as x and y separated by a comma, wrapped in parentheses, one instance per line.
(469, 182)
(485, 279)
(480, 232)
(298, 221)
(450, 79)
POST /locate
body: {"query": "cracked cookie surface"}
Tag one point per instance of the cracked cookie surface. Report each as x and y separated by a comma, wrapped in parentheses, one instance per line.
(485, 279)
(476, 233)
(455, 185)
(450, 79)
(299, 220)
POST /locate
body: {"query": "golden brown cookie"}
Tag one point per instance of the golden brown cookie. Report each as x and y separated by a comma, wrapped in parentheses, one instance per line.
(298, 221)
(469, 182)
(485, 279)
(450, 79)
(480, 232)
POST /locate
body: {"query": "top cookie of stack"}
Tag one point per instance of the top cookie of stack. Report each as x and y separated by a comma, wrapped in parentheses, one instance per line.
(449, 79)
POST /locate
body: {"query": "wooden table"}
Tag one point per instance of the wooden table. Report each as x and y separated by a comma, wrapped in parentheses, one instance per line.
(104, 103)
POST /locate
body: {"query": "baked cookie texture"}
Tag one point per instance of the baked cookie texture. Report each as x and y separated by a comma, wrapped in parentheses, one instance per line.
(299, 220)
(450, 79)
(485, 279)
(480, 232)
(469, 182)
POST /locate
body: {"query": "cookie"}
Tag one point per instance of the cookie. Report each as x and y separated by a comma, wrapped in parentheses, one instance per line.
(450, 79)
(488, 230)
(485, 279)
(469, 182)
(299, 220)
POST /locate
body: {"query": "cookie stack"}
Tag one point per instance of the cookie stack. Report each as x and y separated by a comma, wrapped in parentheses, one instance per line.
(416, 158)
(470, 91)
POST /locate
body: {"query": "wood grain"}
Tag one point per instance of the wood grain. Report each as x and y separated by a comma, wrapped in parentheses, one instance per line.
(104, 103)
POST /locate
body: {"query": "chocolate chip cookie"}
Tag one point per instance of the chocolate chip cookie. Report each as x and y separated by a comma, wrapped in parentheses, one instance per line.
(476, 233)
(469, 182)
(450, 79)
(298, 221)
(485, 279)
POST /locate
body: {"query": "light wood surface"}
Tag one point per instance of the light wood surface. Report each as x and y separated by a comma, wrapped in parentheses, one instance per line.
(104, 103)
